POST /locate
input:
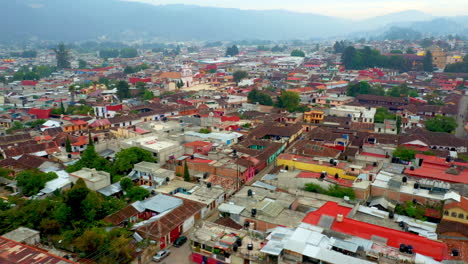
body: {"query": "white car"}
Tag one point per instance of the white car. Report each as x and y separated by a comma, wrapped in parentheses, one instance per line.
(161, 255)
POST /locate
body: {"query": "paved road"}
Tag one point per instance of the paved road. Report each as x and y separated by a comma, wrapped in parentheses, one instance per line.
(462, 117)
(177, 256)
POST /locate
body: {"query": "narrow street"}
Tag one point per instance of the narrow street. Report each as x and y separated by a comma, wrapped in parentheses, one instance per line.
(178, 255)
(461, 117)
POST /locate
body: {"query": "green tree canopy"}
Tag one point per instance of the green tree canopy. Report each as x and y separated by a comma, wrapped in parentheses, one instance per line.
(288, 100)
(31, 181)
(256, 96)
(364, 88)
(82, 64)
(232, 51)
(127, 158)
(126, 184)
(137, 193)
(297, 53)
(148, 95)
(123, 90)
(277, 48)
(128, 53)
(357, 59)
(90, 159)
(410, 51)
(427, 62)
(62, 56)
(441, 123)
(402, 91)
(109, 53)
(382, 113)
(239, 75)
(186, 172)
(405, 154)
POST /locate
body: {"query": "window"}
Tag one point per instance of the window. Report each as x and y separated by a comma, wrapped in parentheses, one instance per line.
(453, 214)
(446, 213)
(461, 216)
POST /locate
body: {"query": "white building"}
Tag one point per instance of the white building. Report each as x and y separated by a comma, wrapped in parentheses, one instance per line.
(94, 179)
(356, 113)
(162, 150)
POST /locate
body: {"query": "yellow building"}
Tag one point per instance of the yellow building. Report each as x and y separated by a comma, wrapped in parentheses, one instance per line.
(314, 117)
(439, 57)
(457, 211)
(290, 161)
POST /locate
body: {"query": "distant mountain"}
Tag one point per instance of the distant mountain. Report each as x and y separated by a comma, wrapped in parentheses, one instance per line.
(404, 16)
(80, 20)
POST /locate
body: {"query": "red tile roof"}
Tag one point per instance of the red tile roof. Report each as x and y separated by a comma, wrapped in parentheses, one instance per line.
(13, 252)
(463, 204)
(373, 155)
(421, 245)
(28, 83)
(78, 122)
(40, 113)
(197, 144)
(114, 107)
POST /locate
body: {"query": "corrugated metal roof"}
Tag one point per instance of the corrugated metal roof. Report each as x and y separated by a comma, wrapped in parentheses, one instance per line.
(159, 203)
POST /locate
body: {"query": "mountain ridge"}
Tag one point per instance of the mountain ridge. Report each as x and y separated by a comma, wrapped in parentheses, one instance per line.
(128, 20)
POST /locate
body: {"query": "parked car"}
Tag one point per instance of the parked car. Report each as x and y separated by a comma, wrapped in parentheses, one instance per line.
(161, 255)
(180, 241)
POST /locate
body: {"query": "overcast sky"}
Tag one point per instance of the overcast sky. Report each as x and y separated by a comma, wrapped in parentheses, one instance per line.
(343, 8)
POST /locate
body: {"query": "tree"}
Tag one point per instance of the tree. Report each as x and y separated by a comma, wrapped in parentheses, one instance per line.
(232, 51)
(297, 53)
(15, 126)
(289, 100)
(427, 62)
(90, 159)
(364, 88)
(128, 53)
(72, 90)
(405, 154)
(141, 86)
(82, 64)
(410, 50)
(68, 146)
(129, 70)
(123, 90)
(148, 95)
(382, 113)
(90, 140)
(350, 58)
(239, 75)
(396, 52)
(277, 48)
(186, 172)
(31, 182)
(126, 184)
(441, 123)
(62, 55)
(109, 53)
(256, 96)
(62, 108)
(127, 158)
(137, 193)
(339, 46)
(179, 84)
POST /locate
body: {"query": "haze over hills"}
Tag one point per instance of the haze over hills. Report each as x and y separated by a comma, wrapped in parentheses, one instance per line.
(67, 20)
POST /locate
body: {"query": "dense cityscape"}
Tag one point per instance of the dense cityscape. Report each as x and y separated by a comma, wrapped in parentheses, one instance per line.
(338, 150)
